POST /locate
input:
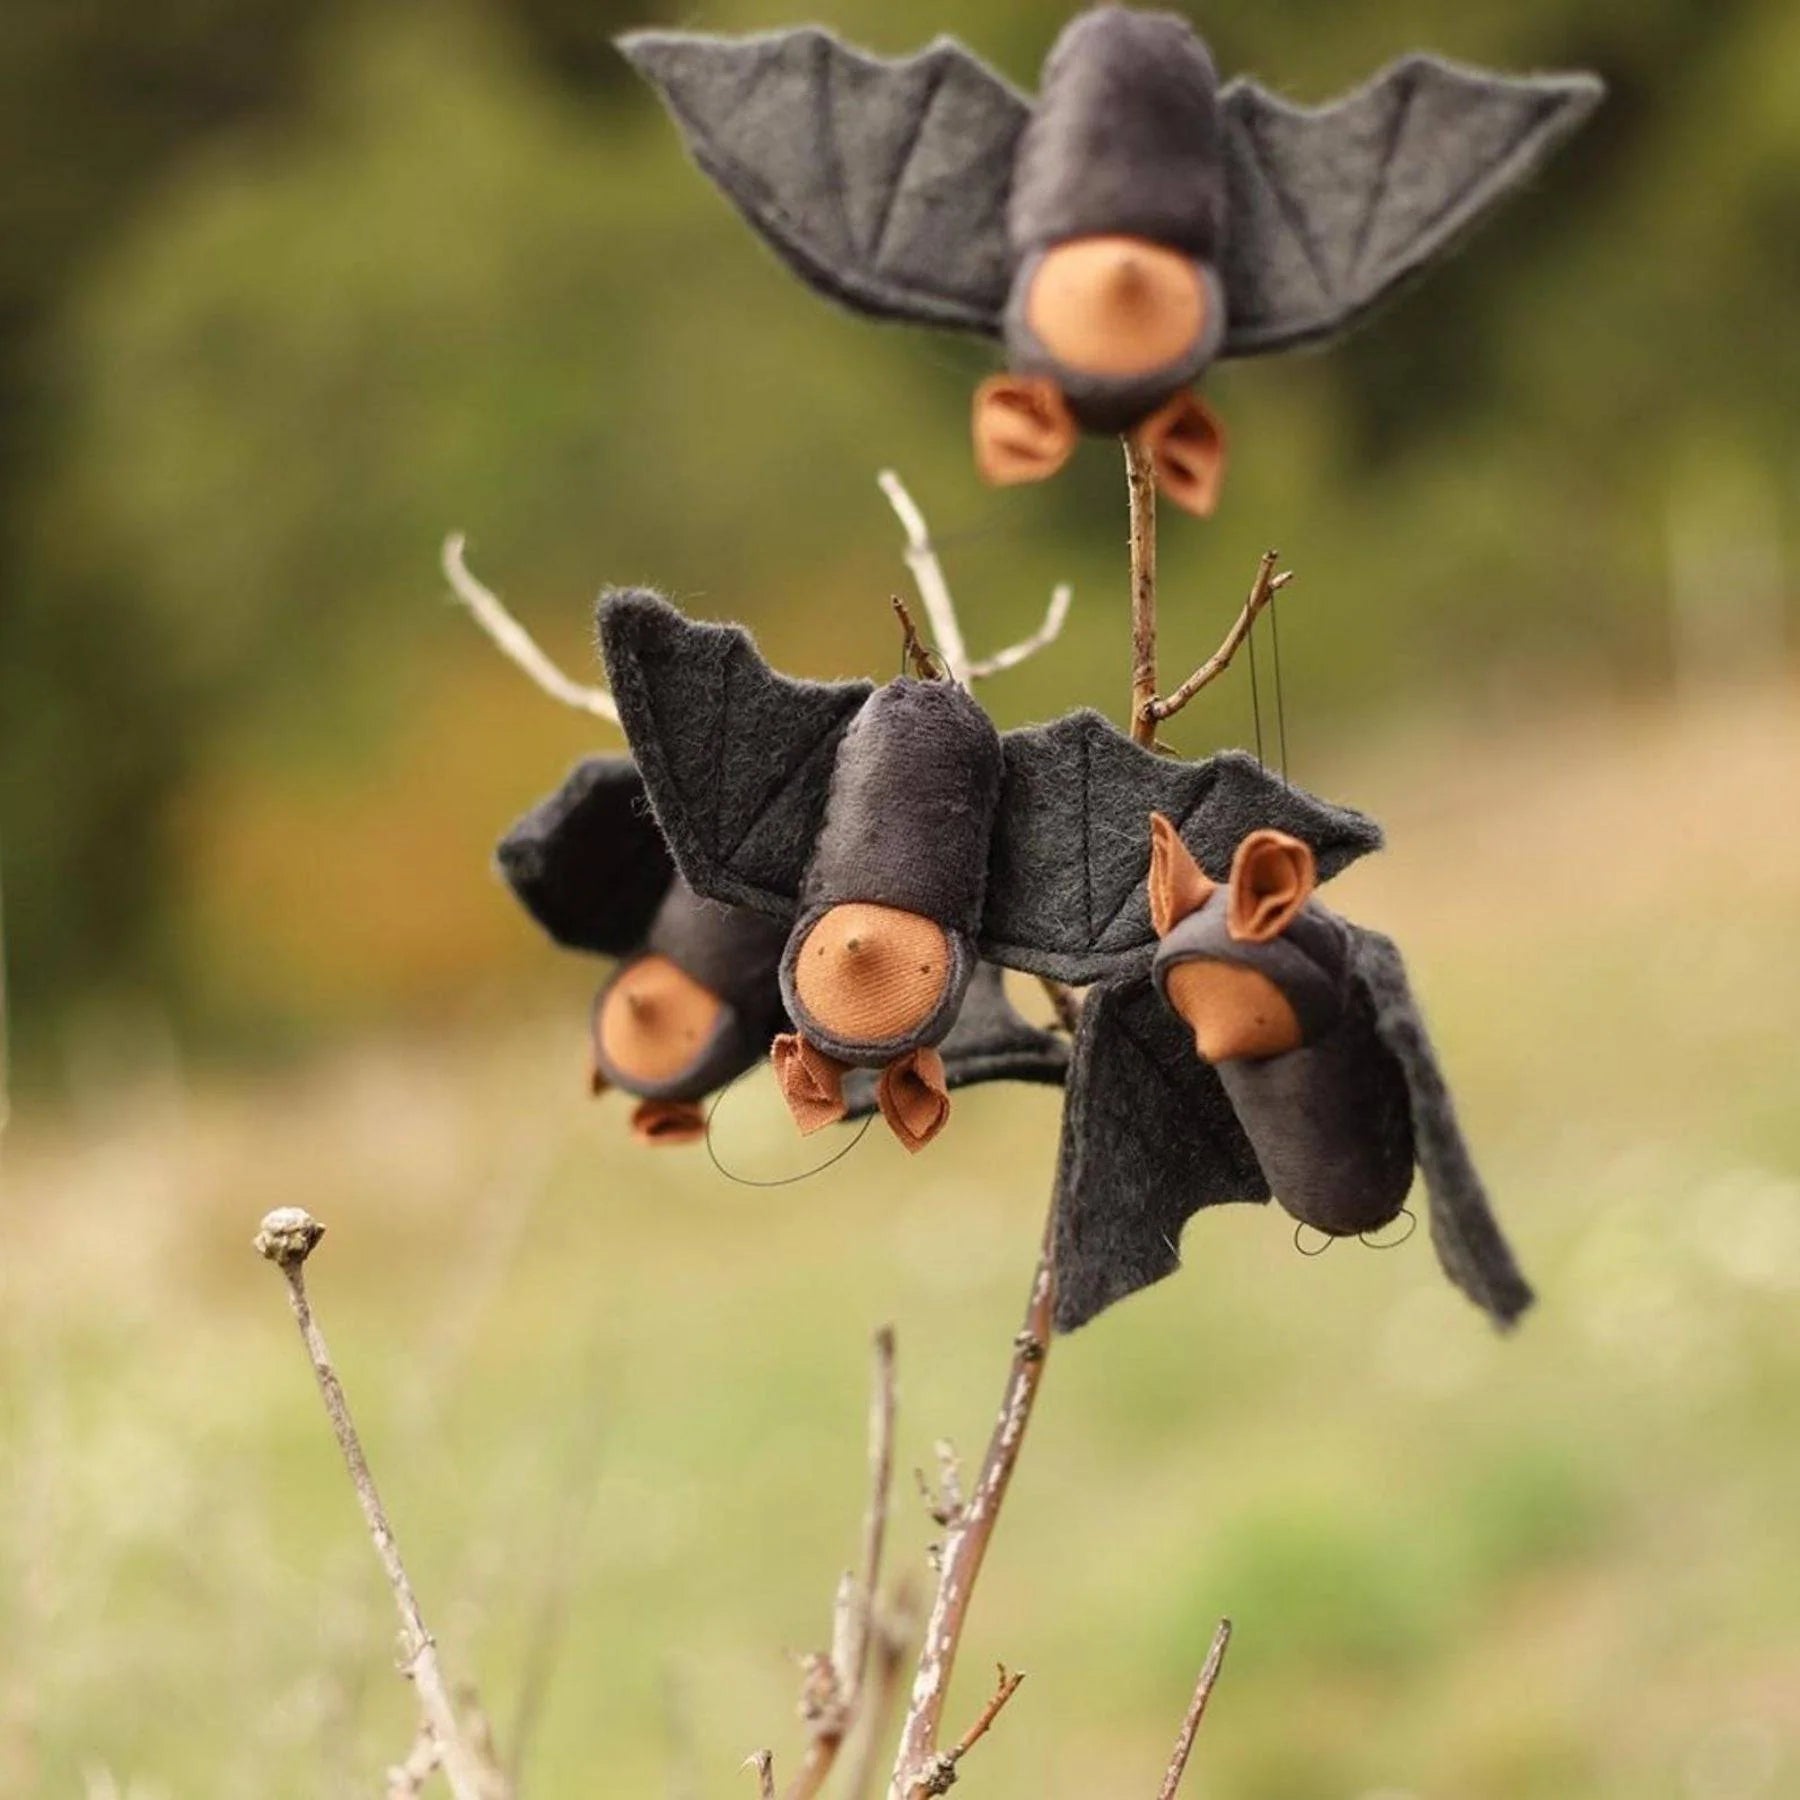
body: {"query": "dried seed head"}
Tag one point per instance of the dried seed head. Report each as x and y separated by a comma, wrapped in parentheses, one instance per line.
(287, 1236)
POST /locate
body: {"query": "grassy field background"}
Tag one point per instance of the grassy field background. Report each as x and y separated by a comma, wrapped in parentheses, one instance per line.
(616, 1401)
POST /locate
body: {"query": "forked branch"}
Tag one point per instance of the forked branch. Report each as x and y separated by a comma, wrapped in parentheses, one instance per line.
(515, 642)
(1262, 592)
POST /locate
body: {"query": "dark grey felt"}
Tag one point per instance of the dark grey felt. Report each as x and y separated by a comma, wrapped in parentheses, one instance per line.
(1469, 1243)
(588, 863)
(911, 810)
(731, 951)
(883, 184)
(877, 1053)
(1331, 208)
(736, 759)
(1123, 139)
(1330, 1124)
(1067, 891)
(1148, 1139)
(991, 1041)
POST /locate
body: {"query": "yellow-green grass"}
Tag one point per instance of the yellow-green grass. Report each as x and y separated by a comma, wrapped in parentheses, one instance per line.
(616, 1402)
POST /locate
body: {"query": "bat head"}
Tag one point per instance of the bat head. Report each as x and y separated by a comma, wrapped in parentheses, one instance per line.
(1225, 964)
(1115, 219)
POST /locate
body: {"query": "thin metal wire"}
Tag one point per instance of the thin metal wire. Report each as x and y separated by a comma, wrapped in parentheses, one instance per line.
(751, 1181)
(1280, 703)
(1301, 1225)
(1412, 1225)
(1255, 691)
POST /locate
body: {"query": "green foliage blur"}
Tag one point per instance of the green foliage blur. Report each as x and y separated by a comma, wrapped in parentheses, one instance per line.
(289, 288)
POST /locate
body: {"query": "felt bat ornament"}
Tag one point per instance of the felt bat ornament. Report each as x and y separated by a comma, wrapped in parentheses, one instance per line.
(1275, 1048)
(899, 839)
(695, 999)
(1120, 233)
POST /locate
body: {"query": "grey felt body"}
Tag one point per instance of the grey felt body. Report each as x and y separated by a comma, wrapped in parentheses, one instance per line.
(738, 762)
(731, 951)
(991, 1041)
(1148, 1139)
(887, 185)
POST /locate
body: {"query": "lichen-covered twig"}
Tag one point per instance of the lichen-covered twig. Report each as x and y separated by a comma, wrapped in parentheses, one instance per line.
(1140, 488)
(515, 642)
(287, 1238)
(1184, 1742)
(940, 608)
(1263, 590)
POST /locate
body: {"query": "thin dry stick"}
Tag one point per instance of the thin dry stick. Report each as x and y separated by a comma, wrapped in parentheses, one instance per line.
(912, 647)
(1140, 486)
(892, 1632)
(1190, 1725)
(288, 1236)
(834, 1685)
(406, 1780)
(1262, 590)
(970, 1530)
(940, 608)
(516, 642)
(763, 1762)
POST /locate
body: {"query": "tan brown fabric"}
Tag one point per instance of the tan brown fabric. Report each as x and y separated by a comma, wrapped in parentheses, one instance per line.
(1235, 1012)
(1115, 305)
(1187, 447)
(1272, 875)
(1023, 429)
(668, 1122)
(915, 1098)
(811, 1082)
(1178, 884)
(871, 973)
(655, 1020)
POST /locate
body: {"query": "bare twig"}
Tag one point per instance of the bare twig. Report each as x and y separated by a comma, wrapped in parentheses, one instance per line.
(941, 1776)
(516, 642)
(406, 1780)
(1064, 1002)
(1140, 487)
(833, 1685)
(1184, 1743)
(893, 1630)
(763, 1762)
(288, 1236)
(940, 608)
(1056, 615)
(970, 1529)
(912, 647)
(1262, 590)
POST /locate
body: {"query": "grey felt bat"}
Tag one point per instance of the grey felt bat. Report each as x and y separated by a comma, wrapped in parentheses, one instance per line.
(928, 189)
(590, 865)
(1026, 849)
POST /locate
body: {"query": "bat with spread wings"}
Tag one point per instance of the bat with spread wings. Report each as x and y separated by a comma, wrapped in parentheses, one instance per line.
(1132, 224)
(695, 998)
(1273, 1049)
(899, 840)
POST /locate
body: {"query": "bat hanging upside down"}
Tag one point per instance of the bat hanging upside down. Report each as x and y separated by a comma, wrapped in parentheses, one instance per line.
(1131, 226)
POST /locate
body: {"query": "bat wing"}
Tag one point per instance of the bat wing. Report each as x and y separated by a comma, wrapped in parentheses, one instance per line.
(588, 863)
(883, 184)
(1330, 208)
(1464, 1231)
(1066, 894)
(990, 1041)
(1149, 1138)
(736, 759)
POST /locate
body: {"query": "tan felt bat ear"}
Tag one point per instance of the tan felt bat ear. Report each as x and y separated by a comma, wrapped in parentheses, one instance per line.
(915, 1098)
(1186, 444)
(811, 1082)
(1272, 876)
(1024, 430)
(668, 1122)
(1178, 884)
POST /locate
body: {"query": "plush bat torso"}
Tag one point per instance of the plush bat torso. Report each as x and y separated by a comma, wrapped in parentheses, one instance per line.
(901, 840)
(1132, 224)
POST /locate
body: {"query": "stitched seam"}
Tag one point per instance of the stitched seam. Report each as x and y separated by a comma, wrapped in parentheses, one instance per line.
(939, 76)
(1396, 129)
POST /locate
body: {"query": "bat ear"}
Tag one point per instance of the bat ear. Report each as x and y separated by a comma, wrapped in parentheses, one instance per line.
(1272, 876)
(1024, 430)
(1186, 443)
(1178, 884)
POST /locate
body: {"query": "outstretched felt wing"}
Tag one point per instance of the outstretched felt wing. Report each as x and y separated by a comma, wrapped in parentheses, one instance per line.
(736, 759)
(882, 183)
(1067, 894)
(990, 1041)
(1148, 1139)
(1464, 1231)
(1330, 208)
(588, 863)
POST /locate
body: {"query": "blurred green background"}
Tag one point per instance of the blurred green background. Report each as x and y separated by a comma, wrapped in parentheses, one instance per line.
(290, 288)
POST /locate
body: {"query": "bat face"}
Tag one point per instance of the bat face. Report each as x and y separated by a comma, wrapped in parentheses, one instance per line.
(652, 1025)
(871, 973)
